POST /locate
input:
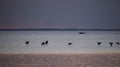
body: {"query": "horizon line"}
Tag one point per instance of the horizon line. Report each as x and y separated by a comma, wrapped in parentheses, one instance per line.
(57, 29)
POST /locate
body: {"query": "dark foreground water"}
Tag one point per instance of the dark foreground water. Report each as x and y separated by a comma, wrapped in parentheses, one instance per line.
(59, 60)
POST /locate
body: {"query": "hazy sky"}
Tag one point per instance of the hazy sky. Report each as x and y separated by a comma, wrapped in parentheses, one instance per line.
(102, 14)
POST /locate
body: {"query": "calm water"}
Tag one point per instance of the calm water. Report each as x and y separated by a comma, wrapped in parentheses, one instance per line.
(58, 41)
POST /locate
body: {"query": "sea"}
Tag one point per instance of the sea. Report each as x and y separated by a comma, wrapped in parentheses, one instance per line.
(71, 41)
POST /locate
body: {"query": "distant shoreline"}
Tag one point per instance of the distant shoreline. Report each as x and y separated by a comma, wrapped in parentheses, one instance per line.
(57, 29)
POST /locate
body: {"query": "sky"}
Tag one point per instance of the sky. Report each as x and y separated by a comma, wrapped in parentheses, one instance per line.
(79, 14)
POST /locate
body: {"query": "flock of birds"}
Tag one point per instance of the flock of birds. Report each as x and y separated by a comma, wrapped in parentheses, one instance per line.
(70, 43)
(45, 43)
(110, 43)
